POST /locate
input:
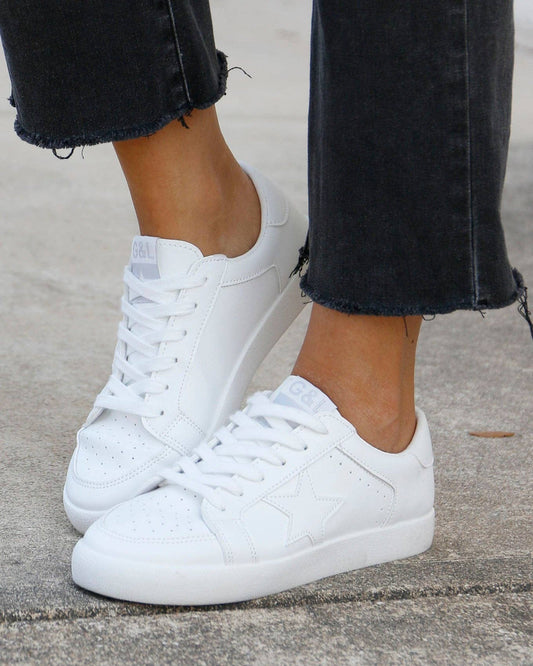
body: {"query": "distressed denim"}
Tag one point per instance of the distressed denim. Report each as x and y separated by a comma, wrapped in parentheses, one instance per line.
(408, 128)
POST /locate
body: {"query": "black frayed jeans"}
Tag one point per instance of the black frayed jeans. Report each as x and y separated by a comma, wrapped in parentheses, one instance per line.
(408, 128)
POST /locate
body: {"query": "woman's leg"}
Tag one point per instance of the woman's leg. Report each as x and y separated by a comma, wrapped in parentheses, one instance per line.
(366, 365)
(106, 70)
(409, 126)
(186, 185)
(208, 289)
(109, 70)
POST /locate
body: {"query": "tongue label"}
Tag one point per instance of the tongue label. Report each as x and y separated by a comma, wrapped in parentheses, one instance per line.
(144, 258)
(304, 395)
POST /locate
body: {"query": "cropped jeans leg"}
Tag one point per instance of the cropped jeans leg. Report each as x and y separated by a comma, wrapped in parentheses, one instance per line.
(104, 70)
(408, 136)
(408, 128)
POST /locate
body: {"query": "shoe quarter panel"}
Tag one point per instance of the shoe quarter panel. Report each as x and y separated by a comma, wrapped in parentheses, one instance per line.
(294, 235)
(367, 497)
(234, 316)
(277, 247)
(232, 536)
(409, 482)
(261, 258)
(293, 509)
(415, 492)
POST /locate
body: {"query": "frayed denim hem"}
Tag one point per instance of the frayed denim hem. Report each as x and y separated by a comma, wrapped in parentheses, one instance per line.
(349, 307)
(121, 134)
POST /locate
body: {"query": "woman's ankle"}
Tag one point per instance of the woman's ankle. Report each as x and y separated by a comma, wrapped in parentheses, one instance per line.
(379, 420)
(366, 367)
(219, 214)
(186, 185)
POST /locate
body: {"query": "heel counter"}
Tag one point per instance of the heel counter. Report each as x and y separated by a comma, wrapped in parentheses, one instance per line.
(418, 493)
(421, 445)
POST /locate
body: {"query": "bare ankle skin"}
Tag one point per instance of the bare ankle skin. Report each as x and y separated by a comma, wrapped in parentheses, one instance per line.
(365, 364)
(186, 185)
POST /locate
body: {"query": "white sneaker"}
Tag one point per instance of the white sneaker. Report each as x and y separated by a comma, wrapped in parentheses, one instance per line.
(194, 331)
(286, 494)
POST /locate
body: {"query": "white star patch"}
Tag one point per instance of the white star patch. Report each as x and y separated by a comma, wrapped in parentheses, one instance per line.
(307, 512)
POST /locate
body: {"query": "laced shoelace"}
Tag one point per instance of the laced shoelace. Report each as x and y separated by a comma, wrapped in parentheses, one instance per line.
(146, 310)
(236, 449)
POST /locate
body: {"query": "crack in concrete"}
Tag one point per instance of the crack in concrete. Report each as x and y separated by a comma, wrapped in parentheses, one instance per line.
(122, 609)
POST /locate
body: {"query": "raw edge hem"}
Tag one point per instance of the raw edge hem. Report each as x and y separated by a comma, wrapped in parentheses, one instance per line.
(348, 307)
(93, 139)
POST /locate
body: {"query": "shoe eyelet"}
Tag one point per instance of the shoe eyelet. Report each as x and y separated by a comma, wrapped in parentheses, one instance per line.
(306, 447)
(176, 360)
(162, 412)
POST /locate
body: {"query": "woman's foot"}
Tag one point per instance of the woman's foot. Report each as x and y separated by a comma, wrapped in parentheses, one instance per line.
(195, 328)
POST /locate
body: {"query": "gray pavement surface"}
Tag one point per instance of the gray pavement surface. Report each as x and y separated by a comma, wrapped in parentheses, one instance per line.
(66, 230)
(457, 630)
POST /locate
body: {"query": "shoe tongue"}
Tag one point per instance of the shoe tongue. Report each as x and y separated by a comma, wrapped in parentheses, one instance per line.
(153, 258)
(298, 392)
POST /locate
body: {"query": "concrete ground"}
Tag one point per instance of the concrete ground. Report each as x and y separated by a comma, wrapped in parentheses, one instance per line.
(66, 230)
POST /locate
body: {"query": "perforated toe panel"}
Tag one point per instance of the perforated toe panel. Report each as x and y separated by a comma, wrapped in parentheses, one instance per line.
(169, 513)
(114, 445)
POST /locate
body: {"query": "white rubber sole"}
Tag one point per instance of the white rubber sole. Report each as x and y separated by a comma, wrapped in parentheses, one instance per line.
(148, 582)
(268, 331)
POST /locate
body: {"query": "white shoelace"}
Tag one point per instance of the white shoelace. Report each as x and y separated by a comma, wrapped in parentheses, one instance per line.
(146, 311)
(239, 450)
